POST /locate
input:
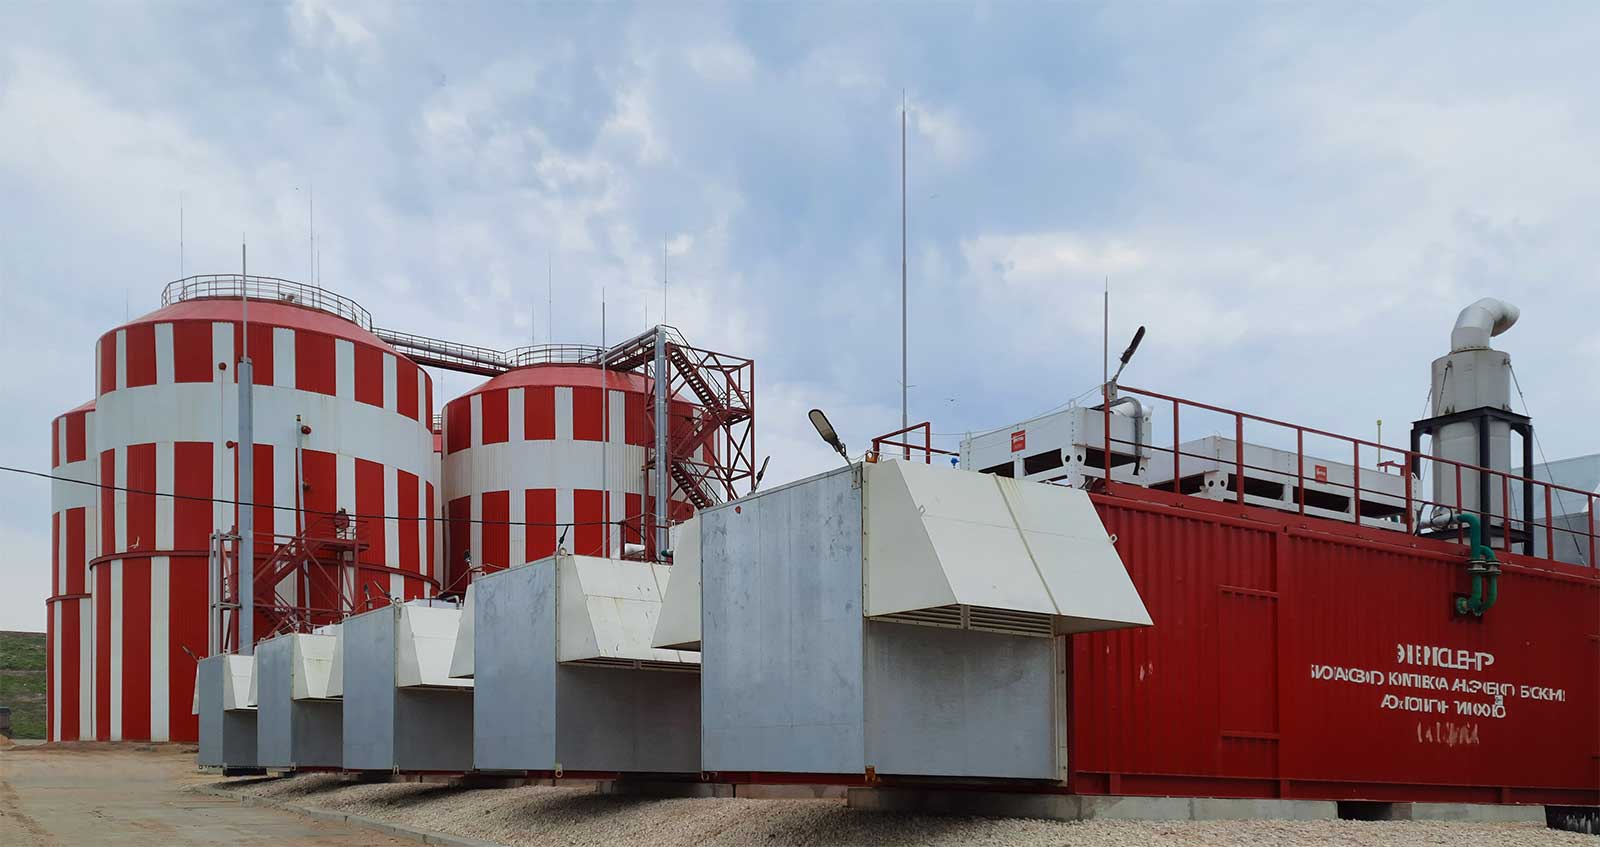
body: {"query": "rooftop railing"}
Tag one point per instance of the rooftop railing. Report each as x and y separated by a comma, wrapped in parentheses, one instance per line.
(268, 288)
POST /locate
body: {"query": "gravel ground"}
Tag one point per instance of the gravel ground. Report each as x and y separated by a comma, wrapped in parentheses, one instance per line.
(536, 816)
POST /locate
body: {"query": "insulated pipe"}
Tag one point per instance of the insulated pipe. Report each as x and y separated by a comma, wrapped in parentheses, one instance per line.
(1480, 321)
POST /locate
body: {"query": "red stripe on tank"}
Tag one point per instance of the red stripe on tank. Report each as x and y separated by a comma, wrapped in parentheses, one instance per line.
(538, 413)
(588, 515)
(102, 652)
(186, 593)
(77, 550)
(369, 501)
(135, 602)
(314, 362)
(77, 437)
(369, 375)
(55, 553)
(636, 421)
(409, 558)
(427, 400)
(433, 566)
(405, 387)
(496, 426)
(191, 481)
(261, 364)
(141, 354)
(319, 470)
(587, 414)
(141, 510)
(55, 442)
(458, 425)
(541, 517)
(108, 363)
(69, 700)
(496, 553)
(51, 690)
(192, 352)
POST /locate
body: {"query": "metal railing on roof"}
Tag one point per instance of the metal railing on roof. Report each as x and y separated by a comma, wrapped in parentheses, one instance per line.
(550, 354)
(266, 288)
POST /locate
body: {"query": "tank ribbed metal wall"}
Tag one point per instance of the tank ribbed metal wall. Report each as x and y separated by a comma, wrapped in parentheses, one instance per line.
(523, 454)
(165, 412)
(74, 537)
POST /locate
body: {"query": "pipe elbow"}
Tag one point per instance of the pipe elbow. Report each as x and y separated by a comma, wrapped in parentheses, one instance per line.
(1481, 321)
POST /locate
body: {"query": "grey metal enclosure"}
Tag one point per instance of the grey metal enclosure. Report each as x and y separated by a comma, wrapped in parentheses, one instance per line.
(297, 725)
(227, 720)
(565, 676)
(401, 712)
(899, 619)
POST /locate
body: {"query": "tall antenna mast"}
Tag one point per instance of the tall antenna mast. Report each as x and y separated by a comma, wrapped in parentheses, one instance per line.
(663, 277)
(605, 434)
(311, 229)
(244, 488)
(1105, 335)
(180, 235)
(904, 419)
(550, 300)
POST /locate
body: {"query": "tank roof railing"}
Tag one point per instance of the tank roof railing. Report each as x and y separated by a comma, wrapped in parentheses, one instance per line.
(549, 354)
(267, 289)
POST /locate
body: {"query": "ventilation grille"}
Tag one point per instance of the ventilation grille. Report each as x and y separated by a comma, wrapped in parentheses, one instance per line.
(637, 665)
(978, 618)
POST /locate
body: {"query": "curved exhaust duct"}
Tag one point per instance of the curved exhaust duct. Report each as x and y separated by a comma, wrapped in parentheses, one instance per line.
(1480, 321)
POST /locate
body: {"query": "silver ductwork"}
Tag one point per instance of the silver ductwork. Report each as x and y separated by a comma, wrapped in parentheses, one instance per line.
(1473, 377)
(1480, 321)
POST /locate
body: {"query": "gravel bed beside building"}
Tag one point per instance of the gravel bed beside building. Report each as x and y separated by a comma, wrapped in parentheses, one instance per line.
(535, 816)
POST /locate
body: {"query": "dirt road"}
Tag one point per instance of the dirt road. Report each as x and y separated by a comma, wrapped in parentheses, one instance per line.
(56, 796)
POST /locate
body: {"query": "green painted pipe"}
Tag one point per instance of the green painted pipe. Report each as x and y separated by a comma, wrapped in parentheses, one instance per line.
(1481, 556)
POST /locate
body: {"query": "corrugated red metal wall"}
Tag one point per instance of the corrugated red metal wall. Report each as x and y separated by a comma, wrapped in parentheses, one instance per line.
(1299, 657)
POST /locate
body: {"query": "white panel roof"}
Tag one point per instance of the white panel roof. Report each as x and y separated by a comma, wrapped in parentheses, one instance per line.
(678, 628)
(940, 537)
(313, 666)
(608, 608)
(239, 684)
(425, 642)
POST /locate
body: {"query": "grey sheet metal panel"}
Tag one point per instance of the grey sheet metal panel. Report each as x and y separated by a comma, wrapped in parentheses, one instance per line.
(533, 714)
(227, 738)
(274, 679)
(782, 682)
(514, 648)
(634, 721)
(369, 701)
(944, 702)
(433, 729)
(293, 733)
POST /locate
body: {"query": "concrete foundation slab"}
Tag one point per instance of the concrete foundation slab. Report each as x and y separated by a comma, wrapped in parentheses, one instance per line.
(1073, 807)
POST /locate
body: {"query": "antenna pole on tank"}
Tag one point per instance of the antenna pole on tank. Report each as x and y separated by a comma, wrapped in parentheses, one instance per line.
(180, 235)
(550, 300)
(244, 488)
(605, 434)
(904, 419)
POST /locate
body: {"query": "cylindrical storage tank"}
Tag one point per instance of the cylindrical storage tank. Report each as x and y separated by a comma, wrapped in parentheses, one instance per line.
(69, 671)
(524, 455)
(341, 421)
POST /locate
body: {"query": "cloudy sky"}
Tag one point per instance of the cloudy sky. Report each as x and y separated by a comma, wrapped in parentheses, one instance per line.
(1295, 200)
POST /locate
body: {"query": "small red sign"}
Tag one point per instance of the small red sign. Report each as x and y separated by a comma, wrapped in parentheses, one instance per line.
(1322, 473)
(1019, 441)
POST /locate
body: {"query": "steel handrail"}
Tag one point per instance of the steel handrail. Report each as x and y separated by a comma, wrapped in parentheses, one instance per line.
(1413, 503)
(266, 288)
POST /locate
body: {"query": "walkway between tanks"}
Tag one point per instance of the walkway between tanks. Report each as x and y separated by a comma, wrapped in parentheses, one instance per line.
(83, 794)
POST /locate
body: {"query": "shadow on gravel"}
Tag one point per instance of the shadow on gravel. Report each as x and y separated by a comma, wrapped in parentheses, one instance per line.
(853, 826)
